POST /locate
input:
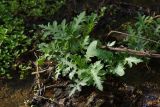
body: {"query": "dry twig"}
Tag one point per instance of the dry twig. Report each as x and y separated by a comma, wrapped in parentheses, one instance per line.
(133, 52)
(42, 71)
(126, 34)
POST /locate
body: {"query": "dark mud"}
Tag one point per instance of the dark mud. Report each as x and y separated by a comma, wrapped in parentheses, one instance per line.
(140, 87)
(13, 93)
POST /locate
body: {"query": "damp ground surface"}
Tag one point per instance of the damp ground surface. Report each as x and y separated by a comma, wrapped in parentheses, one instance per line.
(140, 87)
(14, 93)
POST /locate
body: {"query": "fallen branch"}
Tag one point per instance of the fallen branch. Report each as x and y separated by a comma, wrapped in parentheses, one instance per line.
(37, 74)
(132, 52)
(42, 71)
(56, 86)
(45, 98)
(126, 34)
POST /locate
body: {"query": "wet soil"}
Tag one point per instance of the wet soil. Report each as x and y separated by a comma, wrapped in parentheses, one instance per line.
(140, 87)
(13, 93)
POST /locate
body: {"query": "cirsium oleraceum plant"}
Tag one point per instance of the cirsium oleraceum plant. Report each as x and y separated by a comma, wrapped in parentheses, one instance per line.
(78, 56)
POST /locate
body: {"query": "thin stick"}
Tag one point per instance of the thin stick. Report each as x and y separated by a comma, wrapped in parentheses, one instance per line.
(42, 71)
(113, 31)
(133, 52)
(37, 74)
(56, 86)
(47, 99)
(126, 34)
(156, 17)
